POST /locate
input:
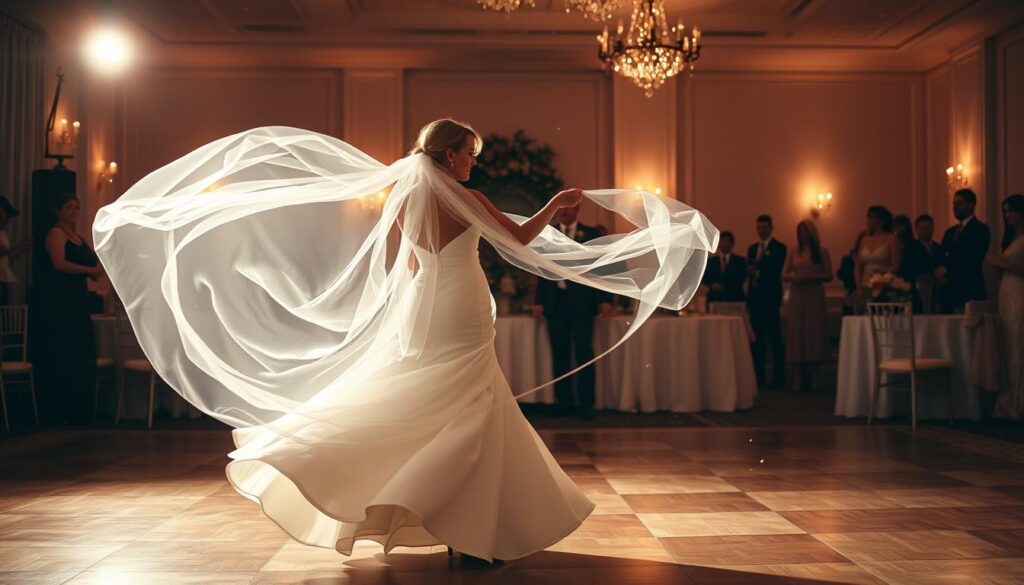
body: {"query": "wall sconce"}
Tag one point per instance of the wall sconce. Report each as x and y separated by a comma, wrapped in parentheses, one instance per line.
(956, 177)
(823, 204)
(64, 136)
(639, 187)
(374, 201)
(107, 175)
(69, 138)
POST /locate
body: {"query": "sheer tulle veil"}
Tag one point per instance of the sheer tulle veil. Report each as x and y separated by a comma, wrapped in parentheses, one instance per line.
(271, 266)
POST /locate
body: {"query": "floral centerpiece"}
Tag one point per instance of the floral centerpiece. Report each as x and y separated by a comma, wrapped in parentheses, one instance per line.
(518, 161)
(518, 175)
(886, 288)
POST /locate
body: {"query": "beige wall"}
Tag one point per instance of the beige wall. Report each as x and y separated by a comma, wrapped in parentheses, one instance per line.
(967, 81)
(766, 143)
(1010, 96)
(744, 143)
(169, 112)
(571, 112)
(938, 145)
(973, 115)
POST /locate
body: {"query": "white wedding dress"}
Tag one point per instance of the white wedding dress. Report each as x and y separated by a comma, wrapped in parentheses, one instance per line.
(473, 473)
(293, 287)
(1010, 403)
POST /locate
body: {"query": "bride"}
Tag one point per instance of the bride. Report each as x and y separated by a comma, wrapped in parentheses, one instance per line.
(333, 310)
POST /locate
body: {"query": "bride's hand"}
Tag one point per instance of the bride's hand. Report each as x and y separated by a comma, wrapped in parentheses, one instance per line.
(569, 197)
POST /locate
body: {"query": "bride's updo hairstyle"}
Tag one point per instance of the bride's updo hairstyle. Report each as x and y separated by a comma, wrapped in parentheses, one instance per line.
(438, 136)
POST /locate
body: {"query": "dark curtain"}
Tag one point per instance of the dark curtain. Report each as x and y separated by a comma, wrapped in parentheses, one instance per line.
(22, 122)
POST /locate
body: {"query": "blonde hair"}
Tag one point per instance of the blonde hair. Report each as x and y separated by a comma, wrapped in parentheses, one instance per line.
(815, 240)
(438, 136)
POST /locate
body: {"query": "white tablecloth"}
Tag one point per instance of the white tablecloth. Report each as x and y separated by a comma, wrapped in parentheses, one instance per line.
(524, 353)
(936, 336)
(681, 364)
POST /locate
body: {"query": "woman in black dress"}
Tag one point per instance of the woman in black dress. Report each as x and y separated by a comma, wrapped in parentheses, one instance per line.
(65, 358)
(913, 260)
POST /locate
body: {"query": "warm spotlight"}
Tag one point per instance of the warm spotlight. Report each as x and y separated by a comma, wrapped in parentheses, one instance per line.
(108, 51)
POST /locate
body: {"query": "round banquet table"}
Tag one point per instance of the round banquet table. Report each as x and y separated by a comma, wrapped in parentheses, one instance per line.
(968, 342)
(678, 364)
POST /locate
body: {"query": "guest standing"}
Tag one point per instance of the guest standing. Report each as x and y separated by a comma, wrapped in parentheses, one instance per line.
(924, 226)
(7, 251)
(725, 272)
(912, 258)
(848, 276)
(1010, 263)
(765, 260)
(65, 357)
(962, 254)
(807, 269)
(570, 309)
(879, 251)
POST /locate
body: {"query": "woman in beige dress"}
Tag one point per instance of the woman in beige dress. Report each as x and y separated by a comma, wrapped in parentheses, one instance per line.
(807, 269)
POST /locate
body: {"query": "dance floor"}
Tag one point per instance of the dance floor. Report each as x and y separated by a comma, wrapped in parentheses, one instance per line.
(848, 504)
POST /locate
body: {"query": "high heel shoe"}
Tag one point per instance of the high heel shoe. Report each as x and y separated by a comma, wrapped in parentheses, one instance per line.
(471, 560)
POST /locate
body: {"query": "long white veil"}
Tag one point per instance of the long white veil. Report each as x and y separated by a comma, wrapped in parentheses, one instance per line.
(270, 266)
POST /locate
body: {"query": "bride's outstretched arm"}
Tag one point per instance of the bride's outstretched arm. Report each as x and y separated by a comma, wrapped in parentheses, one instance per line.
(530, 228)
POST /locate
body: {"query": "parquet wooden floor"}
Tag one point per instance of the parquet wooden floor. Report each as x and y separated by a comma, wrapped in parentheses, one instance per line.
(709, 506)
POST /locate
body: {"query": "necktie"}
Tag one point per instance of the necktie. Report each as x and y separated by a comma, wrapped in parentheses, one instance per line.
(760, 251)
(725, 262)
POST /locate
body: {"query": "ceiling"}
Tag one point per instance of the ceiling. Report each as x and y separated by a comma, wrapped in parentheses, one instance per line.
(902, 34)
(798, 23)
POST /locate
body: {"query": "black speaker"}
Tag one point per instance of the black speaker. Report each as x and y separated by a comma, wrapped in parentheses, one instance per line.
(47, 185)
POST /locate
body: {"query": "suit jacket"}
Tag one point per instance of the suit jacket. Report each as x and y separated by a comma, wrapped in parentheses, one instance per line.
(731, 278)
(913, 262)
(575, 298)
(765, 285)
(845, 274)
(964, 257)
(932, 253)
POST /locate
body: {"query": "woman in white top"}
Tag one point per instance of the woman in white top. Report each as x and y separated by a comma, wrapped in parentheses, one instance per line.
(879, 250)
(8, 252)
(1010, 263)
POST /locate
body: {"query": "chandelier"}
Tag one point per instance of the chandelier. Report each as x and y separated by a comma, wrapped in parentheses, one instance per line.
(506, 6)
(596, 10)
(650, 52)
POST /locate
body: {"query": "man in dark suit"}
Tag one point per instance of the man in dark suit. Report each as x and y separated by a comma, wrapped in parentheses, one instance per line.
(765, 260)
(725, 272)
(962, 255)
(570, 309)
(930, 252)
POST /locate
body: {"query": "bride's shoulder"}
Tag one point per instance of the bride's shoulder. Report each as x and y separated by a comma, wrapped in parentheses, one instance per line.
(480, 196)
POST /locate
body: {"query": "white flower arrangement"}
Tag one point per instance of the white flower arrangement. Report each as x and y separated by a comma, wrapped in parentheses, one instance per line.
(887, 287)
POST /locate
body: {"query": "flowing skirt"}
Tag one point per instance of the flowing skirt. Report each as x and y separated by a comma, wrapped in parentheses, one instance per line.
(435, 450)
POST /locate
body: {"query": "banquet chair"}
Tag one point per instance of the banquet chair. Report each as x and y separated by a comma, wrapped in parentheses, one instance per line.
(727, 308)
(892, 333)
(14, 339)
(734, 308)
(106, 371)
(124, 341)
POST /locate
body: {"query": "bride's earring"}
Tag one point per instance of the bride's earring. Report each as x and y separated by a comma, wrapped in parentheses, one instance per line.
(451, 166)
